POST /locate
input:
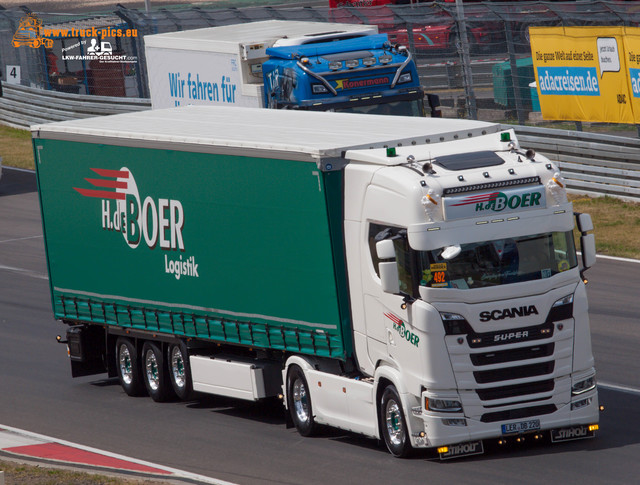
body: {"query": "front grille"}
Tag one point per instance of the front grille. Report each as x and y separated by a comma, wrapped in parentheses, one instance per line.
(505, 392)
(510, 373)
(504, 337)
(518, 413)
(513, 355)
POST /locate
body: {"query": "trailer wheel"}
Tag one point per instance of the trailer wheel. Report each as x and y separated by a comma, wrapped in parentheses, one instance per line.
(179, 370)
(393, 424)
(299, 402)
(155, 373)
(129, 372)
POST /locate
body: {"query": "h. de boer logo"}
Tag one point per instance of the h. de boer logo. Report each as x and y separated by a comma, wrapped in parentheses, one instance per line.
(151, 222)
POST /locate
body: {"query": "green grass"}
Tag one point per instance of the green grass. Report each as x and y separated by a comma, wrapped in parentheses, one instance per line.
(616, 223)
(15, 147)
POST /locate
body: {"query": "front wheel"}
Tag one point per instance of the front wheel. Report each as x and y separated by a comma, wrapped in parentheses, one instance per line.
(393, 424)
(299, 402)
(155, 373)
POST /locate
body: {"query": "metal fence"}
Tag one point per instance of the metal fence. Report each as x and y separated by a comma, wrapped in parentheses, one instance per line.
(477, 62)
(22, 106)
(591, 163)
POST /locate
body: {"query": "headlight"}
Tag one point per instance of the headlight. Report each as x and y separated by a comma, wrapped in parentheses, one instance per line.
(566, 300)
(454, 324)
(404, 78)
(443, 405)
(583, 386)
(319, 89)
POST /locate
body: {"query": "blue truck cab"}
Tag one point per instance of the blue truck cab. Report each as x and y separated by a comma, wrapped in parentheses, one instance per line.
(365, 74)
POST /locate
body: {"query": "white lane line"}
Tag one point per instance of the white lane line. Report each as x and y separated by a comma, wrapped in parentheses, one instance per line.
(618, 387)
(21, 239)
(19, 169)
(25, 272)
(174, 471)
(617, 258)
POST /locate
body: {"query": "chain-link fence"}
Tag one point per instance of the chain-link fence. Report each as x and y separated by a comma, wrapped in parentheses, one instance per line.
(478, 61)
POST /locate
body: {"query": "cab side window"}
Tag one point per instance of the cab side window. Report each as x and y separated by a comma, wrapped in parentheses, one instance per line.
(404, 255)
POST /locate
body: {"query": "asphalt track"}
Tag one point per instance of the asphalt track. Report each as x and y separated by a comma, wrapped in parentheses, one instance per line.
(248, 443)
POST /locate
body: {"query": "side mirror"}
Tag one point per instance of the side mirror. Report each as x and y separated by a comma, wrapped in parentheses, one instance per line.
(588, 245)
(388, 269)
(587, 241)
(385, 249)
(585, 224)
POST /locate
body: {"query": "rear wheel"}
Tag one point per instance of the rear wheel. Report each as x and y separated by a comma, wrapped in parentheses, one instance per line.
(129, 373)
(299, 402)
(393, 424)
(155, 373)
(179, 370)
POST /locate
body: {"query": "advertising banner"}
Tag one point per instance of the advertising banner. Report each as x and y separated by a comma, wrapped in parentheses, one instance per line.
(581, 73)
(632, 58)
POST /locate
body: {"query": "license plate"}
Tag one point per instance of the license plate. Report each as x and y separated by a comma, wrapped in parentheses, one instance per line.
(521, 427)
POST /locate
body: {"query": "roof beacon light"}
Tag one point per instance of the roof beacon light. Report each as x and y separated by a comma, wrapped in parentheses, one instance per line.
(505, 136)
(391, 151)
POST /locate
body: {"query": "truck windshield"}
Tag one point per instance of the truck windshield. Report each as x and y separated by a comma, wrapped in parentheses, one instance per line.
(499, 262)
(398, 108)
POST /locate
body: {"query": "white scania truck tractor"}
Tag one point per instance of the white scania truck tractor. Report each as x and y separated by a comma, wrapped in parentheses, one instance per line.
(410, 279)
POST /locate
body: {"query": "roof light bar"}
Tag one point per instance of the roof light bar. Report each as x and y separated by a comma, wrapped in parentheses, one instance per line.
(491, 185)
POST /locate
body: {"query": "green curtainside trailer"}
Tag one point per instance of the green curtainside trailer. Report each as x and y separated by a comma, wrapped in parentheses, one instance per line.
(208, 245)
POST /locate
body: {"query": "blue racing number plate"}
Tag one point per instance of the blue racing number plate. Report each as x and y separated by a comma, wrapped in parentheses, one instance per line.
(521, 427)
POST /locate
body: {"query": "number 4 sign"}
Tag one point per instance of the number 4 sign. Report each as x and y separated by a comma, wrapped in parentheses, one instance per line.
(13, 75)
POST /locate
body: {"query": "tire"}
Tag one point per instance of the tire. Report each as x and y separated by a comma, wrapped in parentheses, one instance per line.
(393, 424)
(129, 372)
(299, 402)
(179, 370)
(155, 373)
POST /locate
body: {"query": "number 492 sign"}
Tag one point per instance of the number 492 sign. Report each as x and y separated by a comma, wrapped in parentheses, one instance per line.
(13, 75)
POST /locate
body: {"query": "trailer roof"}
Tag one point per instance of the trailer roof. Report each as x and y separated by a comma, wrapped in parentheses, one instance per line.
(304, 135)
(226, 38)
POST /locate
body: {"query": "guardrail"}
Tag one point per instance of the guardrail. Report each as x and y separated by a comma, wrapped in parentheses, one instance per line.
(21, 106)
(591, 163)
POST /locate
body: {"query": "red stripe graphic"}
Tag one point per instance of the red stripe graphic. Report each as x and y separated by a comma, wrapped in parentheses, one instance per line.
(476, 199)
(111, 184)
(101, 194)
(393, 318)
(107, 184)
(111, 173)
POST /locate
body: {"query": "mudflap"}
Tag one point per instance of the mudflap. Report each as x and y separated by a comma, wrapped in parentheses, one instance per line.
(87, 346)
(459, 450)
(571, 433)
